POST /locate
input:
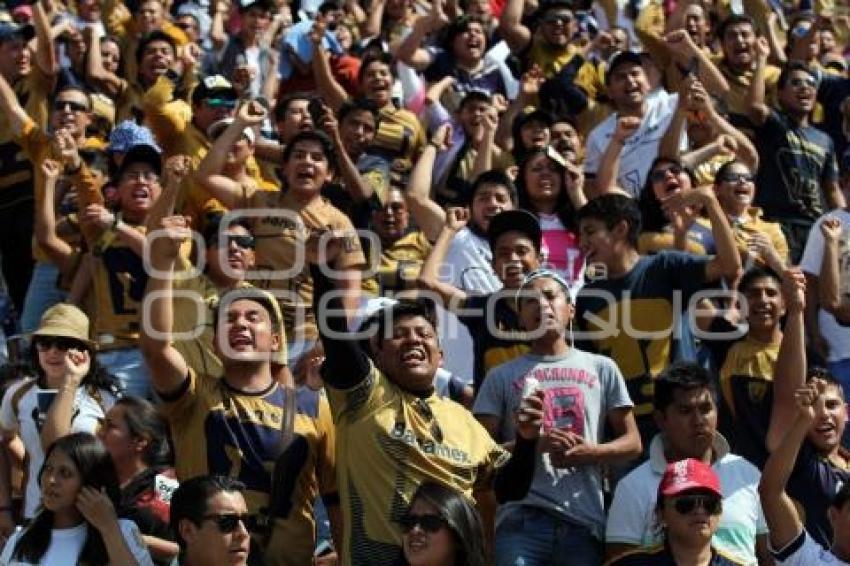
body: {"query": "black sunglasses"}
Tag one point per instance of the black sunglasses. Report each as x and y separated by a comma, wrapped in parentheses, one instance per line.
(246, 242)
(60, 105)
(430, 523)
(738, 178)
(686, 504)
(659, 174)
(227, 522)
(557, 18)
(44, 343)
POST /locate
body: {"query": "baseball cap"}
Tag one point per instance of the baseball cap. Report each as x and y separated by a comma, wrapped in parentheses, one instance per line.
(475, 94)
(142, 153)
(8, 30)
(515, 221)
(128, 134)
(215, 130)
(214, 87)
(688, 475)
(621, 58)
(549, 274)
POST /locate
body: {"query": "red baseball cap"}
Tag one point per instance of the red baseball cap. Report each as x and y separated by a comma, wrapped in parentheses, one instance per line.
(688, 475)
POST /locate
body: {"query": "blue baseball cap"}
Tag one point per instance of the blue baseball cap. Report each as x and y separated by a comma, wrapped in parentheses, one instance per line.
(128, 134)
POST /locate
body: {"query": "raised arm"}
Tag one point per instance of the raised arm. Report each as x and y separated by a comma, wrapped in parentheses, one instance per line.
(9, 106)
(209, 173)
(529, 89)
(218, 35)
(429, 276)
(515, 34)
(790, 368)
(61, 412)
(355, 184)
(45, 51)
(609, 164)
(758, 110)
(110, 82)
(57, 249)
(682, 46)
(168, 369)
(429, 216)
(670, 141)
(372, 26)
(779, 511)
(332, 92)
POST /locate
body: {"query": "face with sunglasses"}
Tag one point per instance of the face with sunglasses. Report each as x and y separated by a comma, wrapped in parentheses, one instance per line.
(60, 357)
(71, 112)
(557, 27)
(221, 536)
(691, 517)
(798, 95)
(735, 188)
(392, 220)
(231, 254)
(427, 536)
(668, 179)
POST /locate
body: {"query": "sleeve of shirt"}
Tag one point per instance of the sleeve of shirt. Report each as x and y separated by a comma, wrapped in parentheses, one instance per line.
(593, 155)
(8, 422)
(327, 449)
(354, 399)
(830, 169)
(490, 400)
(626, 518)
(178, 406)
(352, 253)
(813, 253)
(134, 541)
(616, 392)
(33, 141)
(802, 551)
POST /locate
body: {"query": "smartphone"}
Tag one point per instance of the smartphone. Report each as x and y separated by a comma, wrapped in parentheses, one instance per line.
(44, 398)
(316, 109)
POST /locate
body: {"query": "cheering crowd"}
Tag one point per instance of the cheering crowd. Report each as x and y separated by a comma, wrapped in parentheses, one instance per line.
(425, 282)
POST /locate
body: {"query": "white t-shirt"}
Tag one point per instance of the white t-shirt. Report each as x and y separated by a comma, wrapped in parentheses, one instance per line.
(632, 520)
(66, 545)
(641, 148)
(804, 551)
(837, 336)
(86, 418)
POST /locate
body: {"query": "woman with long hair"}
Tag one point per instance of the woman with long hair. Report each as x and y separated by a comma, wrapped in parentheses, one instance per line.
(688, 511)
(663, 230)
(136, 437)
(552, 190)
(442, 528)
(69, 392)
(76, 522)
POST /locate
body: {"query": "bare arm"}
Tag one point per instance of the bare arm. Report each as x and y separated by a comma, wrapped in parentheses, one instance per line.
(59, 251)
(61, 412)
(758, 110)
(45, 52)
(429, 276)
(10, 107)
(828, 280)
(358, 187)
(669, 146)
(609, 165)
(372, 26)
(429, 216)
(833, 193)
(332, 92)
(515, 34)
(112, 83)
(410, 51)
(217, 31)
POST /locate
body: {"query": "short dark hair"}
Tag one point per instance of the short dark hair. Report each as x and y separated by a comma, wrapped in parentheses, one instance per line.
(755, 273)
(316, 136)
(494, 177)
(382, 57)
(612, 209)
(724, 169)
(358, 103)
(282, 106)
(681, 375)
(155, 35)
(212, 226)
(249, 293)
(460, 26)
(732, 20)
(653, 218)
(190, 500)
(791, 67)
(402, 309)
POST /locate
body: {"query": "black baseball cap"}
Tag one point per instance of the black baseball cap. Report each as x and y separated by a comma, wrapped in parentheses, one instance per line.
(141, 153)
(518, 220)
(621, 58)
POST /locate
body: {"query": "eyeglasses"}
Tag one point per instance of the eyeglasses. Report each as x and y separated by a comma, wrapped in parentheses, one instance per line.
(797, 82)
(45, 343)
(557, 18)
(660, 174)
(686, 504)
(738, 178)
(227, 522)
(61, 105)
(430, 523)
(220, 102)
(186, 26)
(246, 242)
(146, 176)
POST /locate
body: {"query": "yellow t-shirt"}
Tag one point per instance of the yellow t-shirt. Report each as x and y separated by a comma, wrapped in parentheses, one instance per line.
(387, 447)
(220, 430)
(399, 265)
(280, 244)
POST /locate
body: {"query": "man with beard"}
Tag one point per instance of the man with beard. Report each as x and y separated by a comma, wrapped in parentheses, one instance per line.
(394, 432)
(798, 179)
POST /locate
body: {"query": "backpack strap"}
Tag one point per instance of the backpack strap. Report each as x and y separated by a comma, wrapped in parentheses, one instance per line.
(19, 394)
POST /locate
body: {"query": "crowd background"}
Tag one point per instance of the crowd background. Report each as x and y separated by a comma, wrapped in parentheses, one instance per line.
(425, 282)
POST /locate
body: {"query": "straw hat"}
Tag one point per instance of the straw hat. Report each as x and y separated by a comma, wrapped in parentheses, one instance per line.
(66, 321)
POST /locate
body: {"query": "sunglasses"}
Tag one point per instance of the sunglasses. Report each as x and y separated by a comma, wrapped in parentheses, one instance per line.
(45, 343)
(60, 105)
(686, 504)
(557, 19)
(660, 174)
(220, 102)
(242, 241)
(797, 82)
(227, 522)
(430, 523)
(738, 178)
